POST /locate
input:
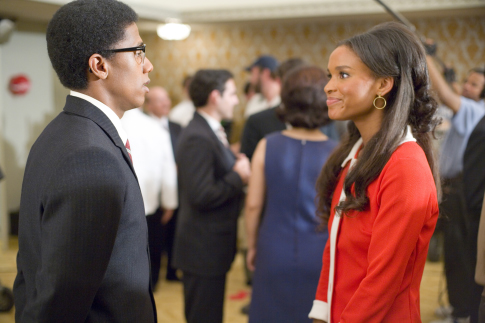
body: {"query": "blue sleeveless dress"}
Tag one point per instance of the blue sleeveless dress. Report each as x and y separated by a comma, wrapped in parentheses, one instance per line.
(289, 246)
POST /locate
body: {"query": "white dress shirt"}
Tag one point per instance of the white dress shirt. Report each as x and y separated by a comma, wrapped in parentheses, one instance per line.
(155, 169)
(112, 116)
(182, 113)
(170, 167)
(214, 125)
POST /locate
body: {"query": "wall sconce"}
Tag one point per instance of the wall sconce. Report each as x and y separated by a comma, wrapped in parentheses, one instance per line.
(173, 31)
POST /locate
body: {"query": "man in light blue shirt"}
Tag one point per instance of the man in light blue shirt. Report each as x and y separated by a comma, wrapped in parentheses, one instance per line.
(467, 110)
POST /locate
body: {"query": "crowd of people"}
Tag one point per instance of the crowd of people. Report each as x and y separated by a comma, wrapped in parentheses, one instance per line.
(336, 175)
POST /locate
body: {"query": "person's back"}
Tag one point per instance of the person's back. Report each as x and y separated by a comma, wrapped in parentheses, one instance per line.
(290, 246)
(285, 244)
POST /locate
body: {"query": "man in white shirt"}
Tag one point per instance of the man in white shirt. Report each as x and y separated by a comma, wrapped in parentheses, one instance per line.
(157, 105)
(83, 251)
(151, 150)
(183, 112)
(265, 81)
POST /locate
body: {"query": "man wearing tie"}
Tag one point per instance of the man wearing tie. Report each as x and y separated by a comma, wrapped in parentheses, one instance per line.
(83, 251)
(210, 181)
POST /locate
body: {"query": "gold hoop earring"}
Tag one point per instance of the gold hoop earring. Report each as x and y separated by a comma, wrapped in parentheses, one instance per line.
(379, 97)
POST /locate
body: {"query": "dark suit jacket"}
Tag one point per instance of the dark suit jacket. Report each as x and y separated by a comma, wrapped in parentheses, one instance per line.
(175, 129)
(474, 171)
(83, 251)
(210, 195)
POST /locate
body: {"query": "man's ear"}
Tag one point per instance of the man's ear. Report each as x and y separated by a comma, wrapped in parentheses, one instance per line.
(98, 66)
(385, 85)
(214, 97)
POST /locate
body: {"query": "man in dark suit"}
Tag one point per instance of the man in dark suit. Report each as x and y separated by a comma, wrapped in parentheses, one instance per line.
(474, 185)
(211, 179)
(83, 253)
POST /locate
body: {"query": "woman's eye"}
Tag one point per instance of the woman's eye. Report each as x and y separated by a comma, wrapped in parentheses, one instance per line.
(138, 53)
(343, 75)
(329, 76)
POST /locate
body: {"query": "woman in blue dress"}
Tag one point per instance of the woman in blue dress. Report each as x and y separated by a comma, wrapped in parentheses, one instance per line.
(285, 244)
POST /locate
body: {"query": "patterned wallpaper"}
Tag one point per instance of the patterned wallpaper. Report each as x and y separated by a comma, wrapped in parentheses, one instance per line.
(233, 46)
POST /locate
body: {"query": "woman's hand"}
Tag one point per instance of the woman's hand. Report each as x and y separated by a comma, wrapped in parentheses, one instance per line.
(250, 257)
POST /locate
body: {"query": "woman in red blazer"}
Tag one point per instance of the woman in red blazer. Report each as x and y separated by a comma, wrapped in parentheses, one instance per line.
(378, 191)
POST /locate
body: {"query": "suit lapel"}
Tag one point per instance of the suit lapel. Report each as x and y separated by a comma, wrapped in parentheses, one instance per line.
(174, 133)
(227, 155)
(85, 109)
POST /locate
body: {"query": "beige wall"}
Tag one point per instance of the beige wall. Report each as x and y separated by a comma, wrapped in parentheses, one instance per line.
(461, 43)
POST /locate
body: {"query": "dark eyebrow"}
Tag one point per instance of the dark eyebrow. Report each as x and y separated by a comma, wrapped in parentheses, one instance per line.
(342, 67)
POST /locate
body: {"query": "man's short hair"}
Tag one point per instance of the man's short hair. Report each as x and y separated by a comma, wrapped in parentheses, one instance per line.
(204, 82)
(80, 29)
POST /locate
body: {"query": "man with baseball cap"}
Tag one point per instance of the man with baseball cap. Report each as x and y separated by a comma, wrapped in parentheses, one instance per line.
(264, 80)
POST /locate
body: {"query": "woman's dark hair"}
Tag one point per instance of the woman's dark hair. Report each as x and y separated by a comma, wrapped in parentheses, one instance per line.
(303, 99)
(206, 81)
(389, 49)
(80, 29)
(288, 65)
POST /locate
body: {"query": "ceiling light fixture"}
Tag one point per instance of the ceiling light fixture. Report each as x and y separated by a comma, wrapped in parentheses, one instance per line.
(173, 31)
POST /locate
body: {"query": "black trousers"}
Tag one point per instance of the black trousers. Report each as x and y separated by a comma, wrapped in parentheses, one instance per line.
(155, 244)
(204, 298)
(481, 316)
(168, 239)
(472, 244)
(459, 269)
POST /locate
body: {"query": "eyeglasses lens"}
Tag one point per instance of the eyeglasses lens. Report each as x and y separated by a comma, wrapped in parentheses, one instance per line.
(140, 57)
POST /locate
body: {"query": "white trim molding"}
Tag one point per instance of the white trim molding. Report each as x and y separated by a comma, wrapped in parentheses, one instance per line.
(325, 8)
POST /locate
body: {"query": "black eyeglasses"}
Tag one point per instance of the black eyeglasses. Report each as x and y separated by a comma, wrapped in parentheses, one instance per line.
(139, 52)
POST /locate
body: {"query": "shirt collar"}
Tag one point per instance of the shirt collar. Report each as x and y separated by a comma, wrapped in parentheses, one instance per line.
(213, 123)
(115, 120)
(353, 152)
(276, 101)
(163, 121)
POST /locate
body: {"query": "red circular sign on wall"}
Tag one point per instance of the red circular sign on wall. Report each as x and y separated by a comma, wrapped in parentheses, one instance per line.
(19, 84)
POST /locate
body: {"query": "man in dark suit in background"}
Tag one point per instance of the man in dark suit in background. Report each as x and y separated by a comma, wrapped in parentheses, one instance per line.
(474, 189)
(83, 253)
(211, 179)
